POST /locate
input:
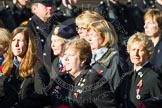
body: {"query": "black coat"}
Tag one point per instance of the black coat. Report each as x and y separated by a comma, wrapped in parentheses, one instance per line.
(91, 90)
(69, 13)
(155, 102)
(126, 93)
(42, 32)
(88, 90)
(96, 92)
(55, 68)
(14, 88)
(156, 58)
(13, 17)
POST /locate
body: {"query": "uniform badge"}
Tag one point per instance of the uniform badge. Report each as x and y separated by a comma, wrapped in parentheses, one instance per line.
(138, 96)
(140, 74)
(79, 91)
(84, 80)
(139, 85)
(82, 85)
(24, 23)
(57, 89)
(56, 31)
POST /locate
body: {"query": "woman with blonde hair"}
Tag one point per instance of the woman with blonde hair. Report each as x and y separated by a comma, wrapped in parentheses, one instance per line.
(78, 86)
(84, 19)
(143, 82)
(103, 40)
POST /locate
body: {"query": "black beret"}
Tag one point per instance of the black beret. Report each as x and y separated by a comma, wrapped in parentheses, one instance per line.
(65, 31)
(44, 2)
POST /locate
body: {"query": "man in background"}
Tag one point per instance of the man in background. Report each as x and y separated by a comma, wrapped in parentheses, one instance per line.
(14, 14)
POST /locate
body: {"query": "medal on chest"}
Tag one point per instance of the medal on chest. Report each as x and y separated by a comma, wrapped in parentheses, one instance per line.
(79, 88)
(139, 85)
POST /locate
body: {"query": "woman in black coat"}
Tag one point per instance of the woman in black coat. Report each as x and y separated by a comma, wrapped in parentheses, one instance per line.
(78, 86)
(90, 89)
(143, 82)
(22, 73)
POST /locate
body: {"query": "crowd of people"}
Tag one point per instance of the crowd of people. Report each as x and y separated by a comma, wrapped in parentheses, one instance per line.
(55, 55)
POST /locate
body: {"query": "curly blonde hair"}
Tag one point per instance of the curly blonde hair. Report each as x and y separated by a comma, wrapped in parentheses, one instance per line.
(146, 42)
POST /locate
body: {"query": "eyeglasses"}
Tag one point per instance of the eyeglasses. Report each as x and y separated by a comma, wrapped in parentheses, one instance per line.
(81, 28)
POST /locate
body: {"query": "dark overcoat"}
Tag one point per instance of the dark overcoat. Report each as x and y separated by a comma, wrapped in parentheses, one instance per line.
(138, 86)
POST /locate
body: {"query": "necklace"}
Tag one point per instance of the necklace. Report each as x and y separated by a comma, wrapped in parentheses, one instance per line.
(139, 85)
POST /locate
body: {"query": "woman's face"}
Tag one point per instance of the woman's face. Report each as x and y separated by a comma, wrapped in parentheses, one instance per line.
(138, 54)
(82, 30)
(151, 28)
(73, 64)
(57, 45)
(94, 39)
(19, 45)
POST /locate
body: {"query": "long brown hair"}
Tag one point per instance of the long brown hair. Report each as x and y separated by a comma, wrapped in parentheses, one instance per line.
(29, 59)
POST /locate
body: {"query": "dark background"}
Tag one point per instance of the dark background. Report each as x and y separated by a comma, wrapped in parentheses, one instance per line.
(82, 3)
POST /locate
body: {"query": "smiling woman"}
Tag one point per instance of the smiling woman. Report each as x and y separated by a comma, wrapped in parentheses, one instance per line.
(143, 82)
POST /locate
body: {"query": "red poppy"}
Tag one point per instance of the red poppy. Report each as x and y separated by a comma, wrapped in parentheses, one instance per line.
(99, 71)
(141, 105)
(140, 83)
(76, 94)
(62, 69)
(62, 106)
(0, 68)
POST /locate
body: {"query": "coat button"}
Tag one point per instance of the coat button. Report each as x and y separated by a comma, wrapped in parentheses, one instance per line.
(42, 40)
(37, 27)
(44, 54)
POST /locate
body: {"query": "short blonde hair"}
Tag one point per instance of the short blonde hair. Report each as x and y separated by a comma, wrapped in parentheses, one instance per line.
(141, 37)
(155, 15)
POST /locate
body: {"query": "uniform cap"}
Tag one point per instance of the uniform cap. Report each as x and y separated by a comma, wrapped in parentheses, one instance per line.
(65, 31)
(44, 2)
